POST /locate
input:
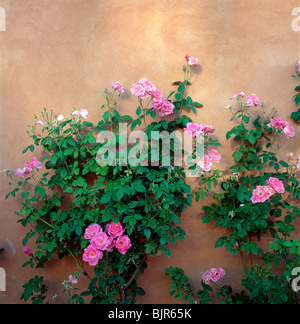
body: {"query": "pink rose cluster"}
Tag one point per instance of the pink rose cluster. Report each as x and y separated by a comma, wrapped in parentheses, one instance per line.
(207, 161)
(214, 274)
(145, 88)
(280, 125)
(193, 129)
(29, 167)
(262, 193)
(251, 100)
(101, 241)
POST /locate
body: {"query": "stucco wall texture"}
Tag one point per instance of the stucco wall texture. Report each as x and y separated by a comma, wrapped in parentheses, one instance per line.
(61, 54)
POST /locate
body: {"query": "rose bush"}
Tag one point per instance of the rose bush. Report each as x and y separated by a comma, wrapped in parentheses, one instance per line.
(258, 198)
(108, 218)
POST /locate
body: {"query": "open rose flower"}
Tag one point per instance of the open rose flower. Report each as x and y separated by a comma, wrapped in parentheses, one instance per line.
(115, 229)
(192, 129)
(92, 255)
(289, 131)
(92, 230)
(118, 86)
(260, 194)
(193, 61)
(206, 163)
(215, 155)
(164, 108)
(123, 243)
(138, 90)
(216, 274)
(100, 241)
(276, 184)
(252, 100)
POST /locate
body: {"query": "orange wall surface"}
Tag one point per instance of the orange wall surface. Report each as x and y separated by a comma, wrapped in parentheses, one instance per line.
(61, 54)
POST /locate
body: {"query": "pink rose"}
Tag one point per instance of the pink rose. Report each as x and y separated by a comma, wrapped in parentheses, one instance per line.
(115, 229)
(35, 163)
(260, 194)
(118, 86)
(252, 100)
(298, 66)
(92, 230)
(138, 90)
(148, 86)
(278, 123)
(165, 108)
(26, 250)
(73, 280)
(207, 129)
(192, 129)
(123, 244)
(289, 131)
(100, 241)
(206, 163)
(24, 173)
(192, 61)
(276, 184)
(206, 277)
(216, 274)
(92, 255)
(215, 155)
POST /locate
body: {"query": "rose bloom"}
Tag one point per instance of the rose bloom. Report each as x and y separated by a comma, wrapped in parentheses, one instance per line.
(192, 129)
(252, 100)
(115, 229)
(73, 280)
(260, 194)
(206, 277)
(206, 163)
(276, 184)
(24, 173)
(92, 255)
(207, 129)
(216, 274)
(215, 155)
(278, 123)
(165, 108)
(60, 117)
(123, 244)
(118, 86)
(100, 241)
(92, 230)
(289, 131)
(298, 66)
(192, 61)
(148, 86)
(138, 90)
(26, 250)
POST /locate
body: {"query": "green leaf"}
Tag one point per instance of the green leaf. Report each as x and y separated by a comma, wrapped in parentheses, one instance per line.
(237, 156)
(105, 198)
